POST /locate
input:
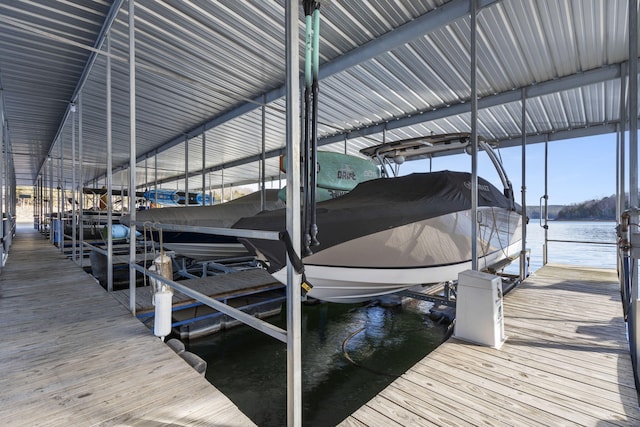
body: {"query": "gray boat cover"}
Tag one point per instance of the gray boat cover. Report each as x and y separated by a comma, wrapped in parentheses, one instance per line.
(223, 215)
(378, 205)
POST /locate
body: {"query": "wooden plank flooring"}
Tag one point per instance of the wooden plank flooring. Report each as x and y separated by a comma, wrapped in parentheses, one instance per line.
(221, 286)
(72, 355)
(565, 362)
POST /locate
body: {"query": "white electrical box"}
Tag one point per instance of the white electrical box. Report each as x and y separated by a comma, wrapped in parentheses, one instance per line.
(479, 316)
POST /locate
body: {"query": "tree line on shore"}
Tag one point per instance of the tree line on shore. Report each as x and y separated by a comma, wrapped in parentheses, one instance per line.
(602, 210)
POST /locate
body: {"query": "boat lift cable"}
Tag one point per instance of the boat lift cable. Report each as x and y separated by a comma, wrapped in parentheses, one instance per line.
(310, 168)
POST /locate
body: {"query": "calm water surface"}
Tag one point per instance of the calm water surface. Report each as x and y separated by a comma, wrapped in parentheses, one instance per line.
(351, 352)
(591, 255)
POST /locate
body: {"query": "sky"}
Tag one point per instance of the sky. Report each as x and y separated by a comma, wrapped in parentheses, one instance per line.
(580, 169)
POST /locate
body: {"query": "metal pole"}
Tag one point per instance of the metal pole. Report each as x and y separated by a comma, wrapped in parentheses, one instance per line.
(2, 171)
(60, 229)
(622, 141)
(263, 188)
(132, 158)
(50, 164)
(545, 246)
(633, 175)
(80, 182)
(146, 173)
(204, 164)
(294, 360)
(155, 176)
(74, 210)
(109, 173)
(474, 138)
(186, 171)
(523, 124)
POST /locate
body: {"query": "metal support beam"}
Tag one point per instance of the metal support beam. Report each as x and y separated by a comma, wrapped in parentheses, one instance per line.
(294, 336)
(60, 228)
(80, 182)
(2, 150)
(263, 160)
(474, 135)
(204, 165)
(540, 89)
(186, 171)
(425, 24)
(523, 128)
(93, 56)
(545, 246)
(109, 173)
(132, 157)
(634, 326)
(74, 184)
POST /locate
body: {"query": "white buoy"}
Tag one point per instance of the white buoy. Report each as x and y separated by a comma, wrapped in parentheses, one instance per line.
(162, 321)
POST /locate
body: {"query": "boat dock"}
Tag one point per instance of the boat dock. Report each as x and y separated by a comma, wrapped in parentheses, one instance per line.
(224, 286)
(73, 355)
(565, 362)
(253, 291)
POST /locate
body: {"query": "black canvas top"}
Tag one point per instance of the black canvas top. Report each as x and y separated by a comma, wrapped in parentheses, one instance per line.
(378, 205)
(222, 215)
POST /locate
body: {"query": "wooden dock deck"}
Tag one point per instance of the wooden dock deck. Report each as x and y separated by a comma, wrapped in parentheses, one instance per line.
(72, 355)
(565, 362)
(222, 286)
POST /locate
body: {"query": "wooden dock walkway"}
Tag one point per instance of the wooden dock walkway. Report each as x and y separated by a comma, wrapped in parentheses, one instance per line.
(72, 355)
(220, 287)
(565, 362)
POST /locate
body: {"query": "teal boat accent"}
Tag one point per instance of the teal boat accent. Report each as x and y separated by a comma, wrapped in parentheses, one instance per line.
(337, 171)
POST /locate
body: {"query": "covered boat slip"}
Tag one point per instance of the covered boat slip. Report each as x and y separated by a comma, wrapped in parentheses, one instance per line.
(565, 362)
(72, 355)
(224, 286)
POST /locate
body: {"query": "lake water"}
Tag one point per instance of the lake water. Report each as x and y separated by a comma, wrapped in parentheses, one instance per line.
(592, 255)
(351, 352)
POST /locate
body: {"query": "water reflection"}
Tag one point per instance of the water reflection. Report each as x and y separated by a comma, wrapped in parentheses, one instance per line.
(350, 353)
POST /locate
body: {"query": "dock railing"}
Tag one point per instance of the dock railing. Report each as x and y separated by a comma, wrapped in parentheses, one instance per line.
(239, 315)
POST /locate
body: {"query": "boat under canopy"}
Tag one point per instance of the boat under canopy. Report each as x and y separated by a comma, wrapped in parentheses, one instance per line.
(205, 246)
(390, 234)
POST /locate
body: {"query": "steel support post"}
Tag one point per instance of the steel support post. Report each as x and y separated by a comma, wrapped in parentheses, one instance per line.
(132, 158)
(474, 136)
(74, 176)
(634, 330)
(109, 172)
(545, 246)
(204, 163)
(294, 359)
(263, 159)
(523, 126)
(186, 171)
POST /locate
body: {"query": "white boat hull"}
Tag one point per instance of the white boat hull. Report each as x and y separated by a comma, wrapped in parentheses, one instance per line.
(429, 251)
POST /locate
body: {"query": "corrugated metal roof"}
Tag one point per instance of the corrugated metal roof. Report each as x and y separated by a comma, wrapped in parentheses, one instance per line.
(398, 65)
